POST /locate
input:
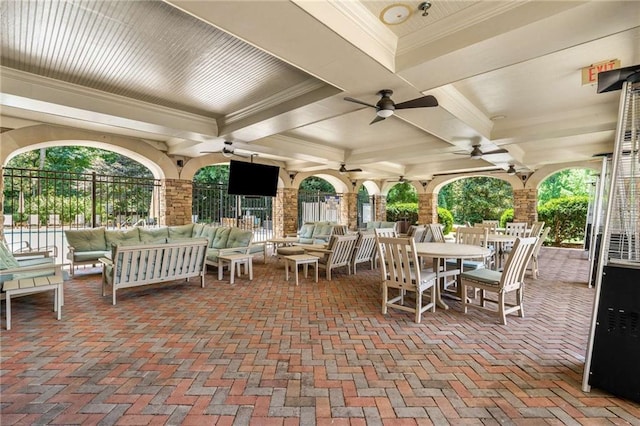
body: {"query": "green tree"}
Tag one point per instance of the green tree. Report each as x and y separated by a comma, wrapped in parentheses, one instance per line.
(476, 198)
(565, 183)
(402, 192)
(212, 174)
(316, 184)
(566, 216)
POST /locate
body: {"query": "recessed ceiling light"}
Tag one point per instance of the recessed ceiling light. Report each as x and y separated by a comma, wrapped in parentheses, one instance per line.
(395, 14)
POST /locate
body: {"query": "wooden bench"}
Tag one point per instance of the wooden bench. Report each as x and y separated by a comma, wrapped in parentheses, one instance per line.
(144, 264)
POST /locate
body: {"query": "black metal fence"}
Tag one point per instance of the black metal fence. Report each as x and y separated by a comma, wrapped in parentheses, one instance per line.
(212, 204)
(39, 205)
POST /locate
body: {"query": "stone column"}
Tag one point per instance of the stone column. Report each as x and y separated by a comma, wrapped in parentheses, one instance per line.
(176, 199)
(349, 210)
(525, 205)
(427, 208)
(285, 215)
(381, 208)
(2, 202)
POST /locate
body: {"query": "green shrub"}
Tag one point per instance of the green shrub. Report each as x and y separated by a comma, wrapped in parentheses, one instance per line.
(566, 216)
(445, 218)
(507, 216)
(402, 211)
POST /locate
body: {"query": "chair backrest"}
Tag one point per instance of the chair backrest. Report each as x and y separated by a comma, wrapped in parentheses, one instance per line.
(434, 233)
(492, 227)
(419, 233)
(365, 249)
(516, 229)
(341, 247)
(516, 264)
(8, 220)
(339, 230)
(540, 242)
(385, 232)
(536, 229)
(473, 236)
(399, 262)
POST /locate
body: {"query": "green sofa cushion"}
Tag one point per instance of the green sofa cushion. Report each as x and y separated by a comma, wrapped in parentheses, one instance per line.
(7, 261)
(306, 231)
(157, 236)
(239, 238)
(117, 237)
(85, 256)
(182, 231)
(86, 239)
(220, 238)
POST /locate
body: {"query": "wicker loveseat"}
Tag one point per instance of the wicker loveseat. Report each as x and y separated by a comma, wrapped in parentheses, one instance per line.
(86, 246)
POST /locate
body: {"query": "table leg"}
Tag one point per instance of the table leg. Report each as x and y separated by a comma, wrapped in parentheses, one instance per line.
(436, 267)
(286, 269)
(232, 271)
(250, 263)
(296, 266)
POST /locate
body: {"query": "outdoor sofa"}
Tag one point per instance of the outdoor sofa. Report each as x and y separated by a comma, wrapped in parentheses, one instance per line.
(86, 246)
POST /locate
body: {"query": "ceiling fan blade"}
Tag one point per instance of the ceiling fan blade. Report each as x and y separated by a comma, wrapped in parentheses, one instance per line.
(354, 170)
(496, 151)
(357, 101)
(423, 102)
(375, 120)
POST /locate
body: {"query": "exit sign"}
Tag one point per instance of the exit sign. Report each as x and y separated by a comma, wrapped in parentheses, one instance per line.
(590, 73)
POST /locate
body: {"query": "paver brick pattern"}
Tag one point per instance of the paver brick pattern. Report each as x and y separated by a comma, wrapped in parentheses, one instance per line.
(266, 352)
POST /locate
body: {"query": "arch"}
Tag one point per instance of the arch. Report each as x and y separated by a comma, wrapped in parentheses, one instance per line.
(439, 181)
(339, 182)
(543, 173)
(18, 141)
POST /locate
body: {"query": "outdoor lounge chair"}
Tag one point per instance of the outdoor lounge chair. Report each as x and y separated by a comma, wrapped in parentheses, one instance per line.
(337, 254)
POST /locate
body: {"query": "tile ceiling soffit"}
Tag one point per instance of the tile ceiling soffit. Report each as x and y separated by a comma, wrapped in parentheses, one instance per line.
(452, 24)
(372, 37)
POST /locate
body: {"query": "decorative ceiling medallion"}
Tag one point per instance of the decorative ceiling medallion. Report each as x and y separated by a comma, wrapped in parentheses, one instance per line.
(395, 14)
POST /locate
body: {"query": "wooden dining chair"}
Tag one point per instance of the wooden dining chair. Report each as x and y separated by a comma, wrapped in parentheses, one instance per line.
(400, 270)
(511, 279)
(474, 237)
(338, 253)
(533, 264)
(365, 250)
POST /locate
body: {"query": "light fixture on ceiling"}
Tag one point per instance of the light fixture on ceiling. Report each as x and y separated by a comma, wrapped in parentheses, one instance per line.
(384, 113)
(395, 14)
(511, 170)
(476, 153)
(227, 153)
(424, 6)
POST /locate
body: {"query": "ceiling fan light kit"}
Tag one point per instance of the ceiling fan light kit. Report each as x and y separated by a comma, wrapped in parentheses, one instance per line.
(511, 171)
(385, 107)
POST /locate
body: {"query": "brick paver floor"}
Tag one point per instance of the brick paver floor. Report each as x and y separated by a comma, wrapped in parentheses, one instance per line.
(266, 352)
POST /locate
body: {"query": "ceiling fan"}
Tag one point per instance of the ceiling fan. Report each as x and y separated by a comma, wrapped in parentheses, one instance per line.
(343, 169)
(386, 107)
(227, 151)
(477, 153)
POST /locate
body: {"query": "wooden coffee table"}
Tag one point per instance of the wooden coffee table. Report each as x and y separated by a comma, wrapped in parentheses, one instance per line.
(300, 259)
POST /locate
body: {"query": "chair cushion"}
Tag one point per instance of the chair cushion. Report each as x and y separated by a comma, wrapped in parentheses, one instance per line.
(7, 261)
(182, 231)
(306, 231)
(154, 236)
(487, 276)
(221, 237)
(239, 238)
(87, 239)
(467, 265)
(118, 237)
(85, 256)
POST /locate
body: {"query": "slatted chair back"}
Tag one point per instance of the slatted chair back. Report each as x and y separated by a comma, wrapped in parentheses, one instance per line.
(515, 229)
(339, 230)
(492, 227)
(533, 264)
(473, 236)
(536, 229)
(434, 233)
(365, 250)
(399, 270)
(340, 253)
(386, 232)
(419, 233)
(516, 264)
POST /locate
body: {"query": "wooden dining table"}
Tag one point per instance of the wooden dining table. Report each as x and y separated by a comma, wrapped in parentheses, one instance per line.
(442, 251)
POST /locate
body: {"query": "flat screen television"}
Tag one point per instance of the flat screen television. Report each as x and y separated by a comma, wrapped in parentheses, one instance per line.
(252, 179)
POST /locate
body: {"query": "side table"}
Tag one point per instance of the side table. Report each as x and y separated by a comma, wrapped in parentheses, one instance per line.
(235, 260)
(300, 259)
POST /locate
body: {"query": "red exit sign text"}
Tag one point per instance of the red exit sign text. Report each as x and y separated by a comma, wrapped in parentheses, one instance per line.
(590, 73)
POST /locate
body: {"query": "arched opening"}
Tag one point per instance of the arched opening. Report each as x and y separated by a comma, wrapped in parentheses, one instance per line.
(565, 204)
(318, 200)
(213, 204)
(55, 188)
(402, 205)
(473, 199)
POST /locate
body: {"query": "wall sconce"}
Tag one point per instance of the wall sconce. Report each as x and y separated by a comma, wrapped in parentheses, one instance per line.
(354, 183)
(292, 176)
(180, 163)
